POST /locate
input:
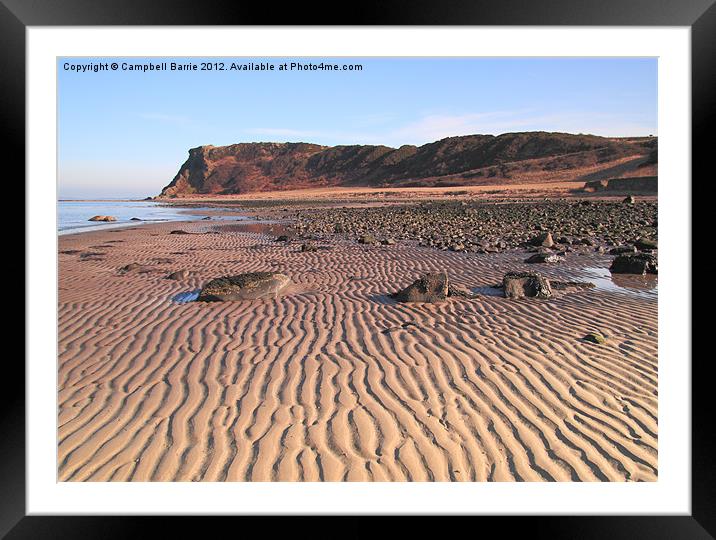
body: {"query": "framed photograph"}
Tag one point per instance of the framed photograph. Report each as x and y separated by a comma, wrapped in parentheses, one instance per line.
(417, 265)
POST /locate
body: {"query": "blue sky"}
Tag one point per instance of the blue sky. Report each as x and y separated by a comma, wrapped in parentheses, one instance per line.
(126, 133)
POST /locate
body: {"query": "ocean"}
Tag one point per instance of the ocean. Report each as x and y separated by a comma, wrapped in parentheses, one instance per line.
(73, 216)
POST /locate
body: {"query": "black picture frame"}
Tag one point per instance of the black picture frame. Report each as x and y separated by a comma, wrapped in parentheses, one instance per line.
(16, 15)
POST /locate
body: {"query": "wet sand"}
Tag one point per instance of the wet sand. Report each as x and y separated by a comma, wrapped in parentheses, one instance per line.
(335, 381)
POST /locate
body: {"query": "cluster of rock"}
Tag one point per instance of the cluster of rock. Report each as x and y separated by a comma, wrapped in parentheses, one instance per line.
(102, 218)
(471, 226)
(639, 258)
(431, 287)
(436, 287)
(628, 234)
(627, 231)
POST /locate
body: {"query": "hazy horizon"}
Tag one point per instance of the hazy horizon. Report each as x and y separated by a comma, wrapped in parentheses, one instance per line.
(124, 134)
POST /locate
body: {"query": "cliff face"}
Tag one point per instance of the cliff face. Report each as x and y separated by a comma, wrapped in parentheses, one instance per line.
(240, 168)
(256, 167)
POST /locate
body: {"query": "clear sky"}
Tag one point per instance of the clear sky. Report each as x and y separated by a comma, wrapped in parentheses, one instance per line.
(126, 133)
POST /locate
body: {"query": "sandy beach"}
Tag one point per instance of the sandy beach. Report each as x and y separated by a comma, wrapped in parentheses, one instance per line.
(336, 381)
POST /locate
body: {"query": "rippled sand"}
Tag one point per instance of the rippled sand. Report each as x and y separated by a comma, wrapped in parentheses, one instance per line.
(335, 381)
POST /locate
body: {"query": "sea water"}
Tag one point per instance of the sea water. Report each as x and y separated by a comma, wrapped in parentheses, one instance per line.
(73, 216)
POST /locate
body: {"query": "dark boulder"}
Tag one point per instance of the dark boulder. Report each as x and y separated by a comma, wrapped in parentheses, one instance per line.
(428, 288)
(635, 263)
(247, 286)
(526, 284)
(595, 337)
(543, 240)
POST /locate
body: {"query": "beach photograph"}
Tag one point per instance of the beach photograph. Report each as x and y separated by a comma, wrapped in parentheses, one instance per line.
(379, 269)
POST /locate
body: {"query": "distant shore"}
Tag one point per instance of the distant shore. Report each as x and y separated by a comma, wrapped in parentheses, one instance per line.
(529, 191)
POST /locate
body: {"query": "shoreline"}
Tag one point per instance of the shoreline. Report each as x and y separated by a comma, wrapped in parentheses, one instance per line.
(187, 213)
(248, 220)
(485, 193)
(102, 227)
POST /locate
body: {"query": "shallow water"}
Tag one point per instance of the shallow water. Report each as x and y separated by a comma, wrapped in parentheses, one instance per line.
(73, 216)
(488, 291)
(590, 268)
(633, 284)
(186, 297)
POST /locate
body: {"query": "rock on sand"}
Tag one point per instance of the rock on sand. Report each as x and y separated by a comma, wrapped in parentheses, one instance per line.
(244, 287)
(595, 337)
(428, 288)
(526, 284)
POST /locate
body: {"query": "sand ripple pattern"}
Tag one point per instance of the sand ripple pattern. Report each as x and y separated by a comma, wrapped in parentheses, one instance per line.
(336, 382)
